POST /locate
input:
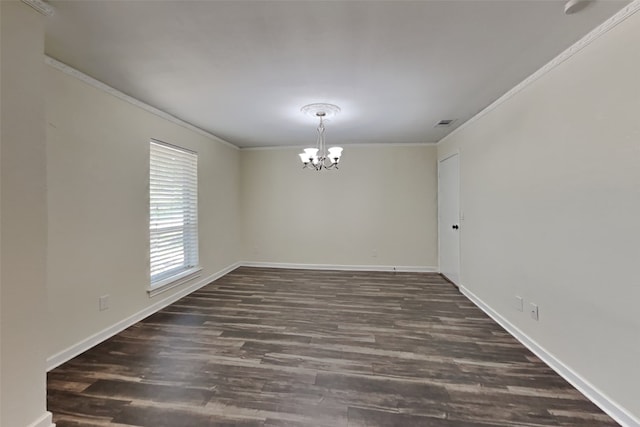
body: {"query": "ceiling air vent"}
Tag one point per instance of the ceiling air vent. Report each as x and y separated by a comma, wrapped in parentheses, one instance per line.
(445, 123)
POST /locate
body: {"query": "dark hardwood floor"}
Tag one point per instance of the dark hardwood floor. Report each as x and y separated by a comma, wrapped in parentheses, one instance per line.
(272, 347)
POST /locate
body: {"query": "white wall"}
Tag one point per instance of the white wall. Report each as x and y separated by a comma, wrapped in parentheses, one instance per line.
(23, 219)
(378, 209)
(97, 174)
(551, 199)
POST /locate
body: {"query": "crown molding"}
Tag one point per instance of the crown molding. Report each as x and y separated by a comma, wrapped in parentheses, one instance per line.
(131, 100)
(585, 41)
(389, 144)
(348, 145)
(41, 6)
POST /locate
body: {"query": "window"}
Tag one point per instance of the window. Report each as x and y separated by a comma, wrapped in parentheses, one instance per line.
(173, 214)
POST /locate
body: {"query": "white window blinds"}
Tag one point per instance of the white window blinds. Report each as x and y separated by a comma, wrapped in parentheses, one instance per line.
(173, 211)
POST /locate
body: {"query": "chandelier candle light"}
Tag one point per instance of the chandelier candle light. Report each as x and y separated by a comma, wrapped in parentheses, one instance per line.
(319, 158)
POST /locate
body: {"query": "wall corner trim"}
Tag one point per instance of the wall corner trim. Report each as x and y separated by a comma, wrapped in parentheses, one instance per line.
(45, 420)
(41, 6)
(615, 411)
(572, 50)
(341, 267)
(66, 69)
(69, 353)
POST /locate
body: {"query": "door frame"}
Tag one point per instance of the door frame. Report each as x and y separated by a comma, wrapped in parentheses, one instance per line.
(450, 154)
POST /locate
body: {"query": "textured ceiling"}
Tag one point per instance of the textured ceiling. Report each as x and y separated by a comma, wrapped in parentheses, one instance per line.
(241, 70)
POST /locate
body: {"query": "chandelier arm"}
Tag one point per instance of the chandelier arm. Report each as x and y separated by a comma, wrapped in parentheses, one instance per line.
(325, 165)
(321, 158)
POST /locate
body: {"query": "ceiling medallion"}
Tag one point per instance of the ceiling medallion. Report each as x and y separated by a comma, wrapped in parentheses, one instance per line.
(319, 158)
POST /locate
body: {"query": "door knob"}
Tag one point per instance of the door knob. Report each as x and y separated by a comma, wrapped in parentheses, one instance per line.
(455, 226)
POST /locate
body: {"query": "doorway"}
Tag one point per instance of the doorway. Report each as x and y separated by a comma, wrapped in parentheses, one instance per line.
(449, 217)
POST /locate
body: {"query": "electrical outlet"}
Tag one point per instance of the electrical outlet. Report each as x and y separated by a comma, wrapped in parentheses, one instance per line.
(519, 303)
(533, 309)
(103, 302)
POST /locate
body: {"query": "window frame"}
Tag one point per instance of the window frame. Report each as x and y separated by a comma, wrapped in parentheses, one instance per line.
(184, 165)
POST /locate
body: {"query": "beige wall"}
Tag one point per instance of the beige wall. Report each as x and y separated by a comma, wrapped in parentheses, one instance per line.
(97, 174)
(379, 209)
(549, 190)
(551, 200)
(23, 218)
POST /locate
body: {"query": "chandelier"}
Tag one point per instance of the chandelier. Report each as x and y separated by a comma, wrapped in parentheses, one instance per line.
(319, 158)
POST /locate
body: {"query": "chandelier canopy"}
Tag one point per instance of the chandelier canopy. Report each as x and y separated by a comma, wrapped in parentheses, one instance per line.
(319, 157)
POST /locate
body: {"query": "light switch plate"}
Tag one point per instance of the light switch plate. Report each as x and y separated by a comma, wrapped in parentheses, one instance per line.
(103, 302)
(519, 303)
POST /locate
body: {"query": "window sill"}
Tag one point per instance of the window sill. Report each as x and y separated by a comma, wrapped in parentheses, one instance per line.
(173, 281)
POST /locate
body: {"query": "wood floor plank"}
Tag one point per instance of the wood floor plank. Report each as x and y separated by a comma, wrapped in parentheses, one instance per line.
(298, 348)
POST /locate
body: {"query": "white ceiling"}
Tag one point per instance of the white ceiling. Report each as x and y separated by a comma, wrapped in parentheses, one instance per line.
(241, 70)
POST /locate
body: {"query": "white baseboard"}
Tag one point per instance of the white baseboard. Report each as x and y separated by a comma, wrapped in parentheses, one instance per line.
(618, 413)
(615, 411)
(341, 267)
(69, 353)
(45, 420)
(84, 345)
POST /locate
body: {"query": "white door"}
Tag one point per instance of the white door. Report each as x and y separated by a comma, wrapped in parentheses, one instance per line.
(449, 217)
